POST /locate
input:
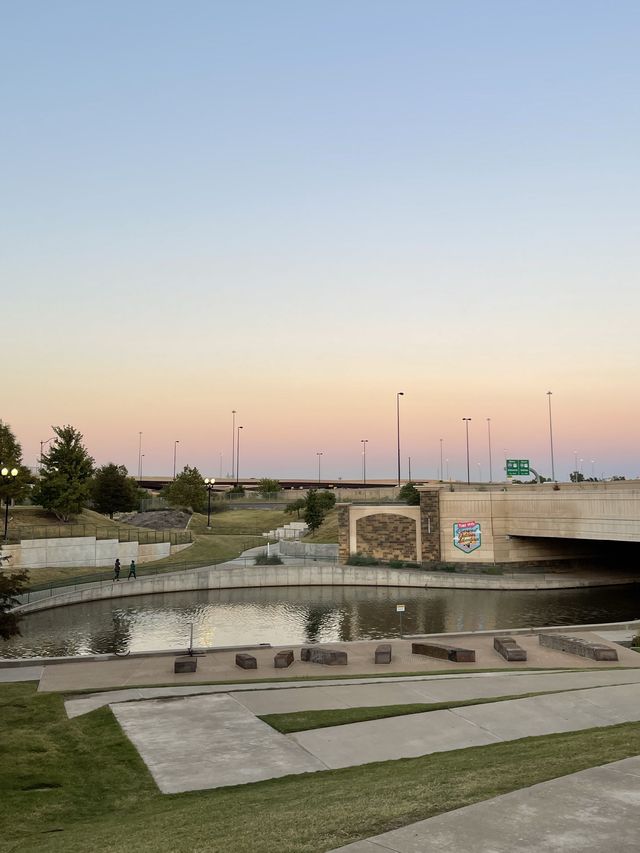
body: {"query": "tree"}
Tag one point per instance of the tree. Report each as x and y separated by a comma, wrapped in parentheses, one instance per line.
(64, 487)
(10, 587)
(409, 494)
(12, 488)
(187, 490)
(327, 501)
(296, 506)
(267, 486)
(576, 477)
(113, 490)
(313, 513)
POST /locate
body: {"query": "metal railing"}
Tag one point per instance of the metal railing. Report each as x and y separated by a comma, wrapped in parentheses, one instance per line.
(145, 536)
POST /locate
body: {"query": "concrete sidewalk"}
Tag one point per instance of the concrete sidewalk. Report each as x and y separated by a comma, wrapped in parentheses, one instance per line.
(587, 812)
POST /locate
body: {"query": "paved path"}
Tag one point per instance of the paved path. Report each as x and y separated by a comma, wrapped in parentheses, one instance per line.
(208, 742)
(586, 812)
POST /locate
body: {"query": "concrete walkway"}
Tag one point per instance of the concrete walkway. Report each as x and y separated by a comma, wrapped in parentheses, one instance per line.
(586, 812)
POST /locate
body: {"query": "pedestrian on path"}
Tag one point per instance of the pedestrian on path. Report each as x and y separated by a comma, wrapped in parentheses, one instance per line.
(132, 570)
(116, 570)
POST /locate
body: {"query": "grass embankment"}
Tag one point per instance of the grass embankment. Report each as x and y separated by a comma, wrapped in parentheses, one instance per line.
(327, 533)
(234, 532)
(68, 786)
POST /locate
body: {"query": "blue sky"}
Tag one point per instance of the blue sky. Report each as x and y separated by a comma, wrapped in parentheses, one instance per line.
(208, 203)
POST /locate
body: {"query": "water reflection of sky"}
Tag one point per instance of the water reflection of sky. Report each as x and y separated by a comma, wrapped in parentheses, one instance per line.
(303, 614)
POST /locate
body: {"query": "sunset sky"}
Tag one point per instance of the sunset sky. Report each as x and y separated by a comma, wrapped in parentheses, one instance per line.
(297, 209)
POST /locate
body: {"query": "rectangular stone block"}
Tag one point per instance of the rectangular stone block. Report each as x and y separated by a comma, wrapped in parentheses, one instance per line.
(246, 661)
(383, 653)
(185, 664)
(509, 649)
(577, 646)
(328, 657)
(283, 659)
(452, 653)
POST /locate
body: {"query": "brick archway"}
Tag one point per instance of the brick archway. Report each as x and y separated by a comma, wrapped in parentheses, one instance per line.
(387, 536)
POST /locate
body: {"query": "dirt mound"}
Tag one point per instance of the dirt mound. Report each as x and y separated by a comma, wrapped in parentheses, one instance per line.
(158, 519)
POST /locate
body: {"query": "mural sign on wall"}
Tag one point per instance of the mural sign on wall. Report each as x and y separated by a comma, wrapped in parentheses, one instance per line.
(467, 535)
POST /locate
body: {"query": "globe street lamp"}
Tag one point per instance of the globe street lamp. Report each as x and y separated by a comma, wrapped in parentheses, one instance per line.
(8, 476)
(209, 483)
(466, 423)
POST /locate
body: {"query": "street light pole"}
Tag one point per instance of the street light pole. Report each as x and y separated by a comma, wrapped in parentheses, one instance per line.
(233, 443)
(141, 461)
(466, 424)
(42, 445)
(409, 469)
(441, 468)
(398, 395)
(364, 442)
(8, 476)
(139, 456)
(209, 483)
(319, 455)
(553, 467)
(175, 454)
(489, 434)
(238, 456)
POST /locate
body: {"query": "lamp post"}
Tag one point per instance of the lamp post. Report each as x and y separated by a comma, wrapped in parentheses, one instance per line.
(447, 461)
(233, 442)
(409, 458)
(553, 467)
(466, 424)
(575, 461)
(398, 395)
(489, 437)
(441, 468)
(209, 483)
(175, 455)
(319, 454)
(364, 442)
(479, 464)
(141, 462)
(42, 446)
(8, 476)
(238, 455)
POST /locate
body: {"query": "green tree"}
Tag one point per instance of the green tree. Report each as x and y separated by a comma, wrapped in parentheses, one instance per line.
(576, 477)
(296, 506)
(327, 501)
(187, 490)
(313, 512)
(267, 486)
(408, 494)
(10, 587)
(12, 488)
(113, 490)
(64, 487)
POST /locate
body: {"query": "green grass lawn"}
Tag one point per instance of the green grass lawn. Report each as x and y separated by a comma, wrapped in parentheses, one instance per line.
(240, 521)
(72, 786)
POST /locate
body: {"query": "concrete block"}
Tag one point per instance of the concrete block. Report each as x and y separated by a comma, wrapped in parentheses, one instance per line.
(283, 659)
(452, 653)
(245, 661)
(383, 653)
(185, 664)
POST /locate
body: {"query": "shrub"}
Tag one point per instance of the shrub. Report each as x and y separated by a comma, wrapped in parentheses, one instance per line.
(362, 560)
(273, 560)
(493, 570)
(396, 564)
(448, 567)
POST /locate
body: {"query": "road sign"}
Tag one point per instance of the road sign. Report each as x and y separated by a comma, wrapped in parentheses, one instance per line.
(518, 468)
(399, 608)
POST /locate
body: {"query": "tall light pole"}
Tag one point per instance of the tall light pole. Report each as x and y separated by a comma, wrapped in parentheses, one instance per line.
(398, 395)
(553, 467)
(466, 424)
(175, 456)
(479, 464)
(139, 456)
(209, 483)
(364, 442)
(42, 446)
(447, 461)
(8, 476)
(489, 436)
(233, 442)
(238, 455)
(319, 454)
(575, 461)
(441, 468)
(141, 461)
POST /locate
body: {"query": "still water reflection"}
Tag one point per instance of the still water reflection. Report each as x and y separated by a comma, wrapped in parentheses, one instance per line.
(304, 615)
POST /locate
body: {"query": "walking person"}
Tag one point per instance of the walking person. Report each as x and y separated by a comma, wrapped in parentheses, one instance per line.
(132, 570)
(116, 570)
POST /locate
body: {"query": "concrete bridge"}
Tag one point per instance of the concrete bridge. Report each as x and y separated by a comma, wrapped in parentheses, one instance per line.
(500, 524)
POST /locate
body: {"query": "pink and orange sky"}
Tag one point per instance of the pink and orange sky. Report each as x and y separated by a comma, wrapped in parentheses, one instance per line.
(297, 211)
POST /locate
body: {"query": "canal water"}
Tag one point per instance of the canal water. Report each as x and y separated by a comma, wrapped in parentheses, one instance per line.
(296, 615)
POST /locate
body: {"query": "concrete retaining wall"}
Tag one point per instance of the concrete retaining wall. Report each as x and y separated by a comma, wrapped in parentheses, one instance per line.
(237, 577)
(307, 549)
(83, 551)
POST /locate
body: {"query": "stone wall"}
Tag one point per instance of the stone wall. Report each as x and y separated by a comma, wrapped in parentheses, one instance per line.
(430, 524)
(344, 530)
(387, 537)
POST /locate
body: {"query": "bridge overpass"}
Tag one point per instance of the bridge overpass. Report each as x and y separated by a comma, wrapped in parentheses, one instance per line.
(501, 524)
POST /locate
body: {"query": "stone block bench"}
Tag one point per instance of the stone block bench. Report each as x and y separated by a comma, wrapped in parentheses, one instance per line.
(246, 661)
(577, 646)
(383, 653)
(508, 648)
(283, 659)
(329, 657)
(185, 664)
(452, 653)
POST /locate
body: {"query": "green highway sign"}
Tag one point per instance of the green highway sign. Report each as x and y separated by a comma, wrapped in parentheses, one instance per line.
(518, 468)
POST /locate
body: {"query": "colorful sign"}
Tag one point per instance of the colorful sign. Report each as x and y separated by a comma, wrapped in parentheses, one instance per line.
(467, 535)
(518, 468)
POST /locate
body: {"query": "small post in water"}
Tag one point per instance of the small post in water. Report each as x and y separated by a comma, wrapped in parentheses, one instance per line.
(400, 611)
